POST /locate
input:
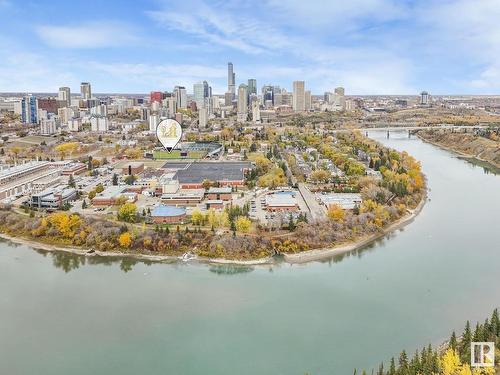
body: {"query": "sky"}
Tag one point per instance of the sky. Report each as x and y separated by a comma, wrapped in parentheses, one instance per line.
(366, 46)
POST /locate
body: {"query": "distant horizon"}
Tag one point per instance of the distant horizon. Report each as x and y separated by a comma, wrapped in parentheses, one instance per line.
(77, 94)
(370, 47)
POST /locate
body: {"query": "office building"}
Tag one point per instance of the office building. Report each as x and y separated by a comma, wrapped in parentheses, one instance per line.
(155, 97)
(180, 96)
(252, 86)
(308, 100)
(256, 112)
(298, 96)
(64, 96)
(85, 90)
(154, 120)
(242, 103)
(231, 79)
(202, 117)
(29, 109)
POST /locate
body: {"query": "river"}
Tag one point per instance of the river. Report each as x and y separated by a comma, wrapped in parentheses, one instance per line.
(64, 314)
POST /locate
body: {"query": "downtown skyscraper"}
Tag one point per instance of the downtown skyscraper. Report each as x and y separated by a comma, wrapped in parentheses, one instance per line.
(231, 79)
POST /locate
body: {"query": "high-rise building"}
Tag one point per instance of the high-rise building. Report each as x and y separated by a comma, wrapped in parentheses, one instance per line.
(298, 96)
(155, 96)
(85, 90)
(64, 96)
(154, 120)
(29, 110)
(231, 79)
(201, 92)
(202, 117)
(255, 111)
(339, 98)
(252, 86)
(424, 98)
(48, 126)
(242, 103)
(180, 96)
(307, 100)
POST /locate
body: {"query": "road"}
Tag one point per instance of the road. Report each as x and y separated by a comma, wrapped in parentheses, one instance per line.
(316, 211)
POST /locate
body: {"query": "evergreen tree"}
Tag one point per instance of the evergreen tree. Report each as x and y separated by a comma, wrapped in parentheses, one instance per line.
(115, 179)
(84, 204)
(71, 181)
(464, 349)
(392, 367)
(381, 369)
(453, 341)
(403, 363)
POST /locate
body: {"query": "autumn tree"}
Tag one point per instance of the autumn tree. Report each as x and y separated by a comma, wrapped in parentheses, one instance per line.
(127, 212)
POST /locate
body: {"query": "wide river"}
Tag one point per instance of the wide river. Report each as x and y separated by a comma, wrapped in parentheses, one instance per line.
(64, 314)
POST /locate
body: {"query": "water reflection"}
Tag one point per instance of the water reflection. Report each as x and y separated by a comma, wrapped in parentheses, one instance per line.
(69, 262)
(230, 269)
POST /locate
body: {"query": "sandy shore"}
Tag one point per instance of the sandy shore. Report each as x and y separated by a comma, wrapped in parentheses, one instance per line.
(303, 257)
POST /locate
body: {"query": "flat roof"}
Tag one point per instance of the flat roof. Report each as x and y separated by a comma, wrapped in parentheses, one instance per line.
(195, 173)
(165, 210)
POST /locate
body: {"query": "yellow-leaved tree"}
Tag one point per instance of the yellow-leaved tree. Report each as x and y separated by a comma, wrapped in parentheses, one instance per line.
(336, 213)
(125, 239)
(243, 224)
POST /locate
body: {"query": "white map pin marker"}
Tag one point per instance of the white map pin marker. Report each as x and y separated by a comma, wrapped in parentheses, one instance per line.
(169, 133)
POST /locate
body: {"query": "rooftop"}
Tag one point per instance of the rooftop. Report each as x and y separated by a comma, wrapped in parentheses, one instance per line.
(164, 210)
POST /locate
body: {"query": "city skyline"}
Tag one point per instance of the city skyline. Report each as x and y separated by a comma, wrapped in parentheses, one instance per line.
(366, 46)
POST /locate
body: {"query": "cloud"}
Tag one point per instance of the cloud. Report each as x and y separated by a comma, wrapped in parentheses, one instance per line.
(222, 25)
(90, 35)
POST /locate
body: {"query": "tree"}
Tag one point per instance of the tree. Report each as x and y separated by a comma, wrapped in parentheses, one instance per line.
(450, 363)
(127, 212)
(197, 217)
(336, 213)
(99, 188)
(243, 224)
(115, 179)
(291, 223)
(92, 194)
(129, 180)
(125, 239)
(71, 181)
(320, 176)
(84, 204)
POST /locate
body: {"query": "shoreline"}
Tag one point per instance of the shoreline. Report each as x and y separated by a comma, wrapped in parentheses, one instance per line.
(302, 257)
(457, 152)
(328, 252)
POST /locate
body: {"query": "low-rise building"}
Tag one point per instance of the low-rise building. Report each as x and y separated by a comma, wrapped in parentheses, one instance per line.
(111, 194)
(52, 198)
(168, 214)
(220, 193)
(346, 201)
(184, 198)
(282, 201)
(133, 168)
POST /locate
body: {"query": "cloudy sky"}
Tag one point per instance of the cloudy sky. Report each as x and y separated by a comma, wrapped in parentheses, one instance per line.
(367, 46)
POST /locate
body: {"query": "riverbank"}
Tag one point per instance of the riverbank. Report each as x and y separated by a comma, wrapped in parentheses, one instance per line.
(465, 145)
(302, 257)
(325, 253)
